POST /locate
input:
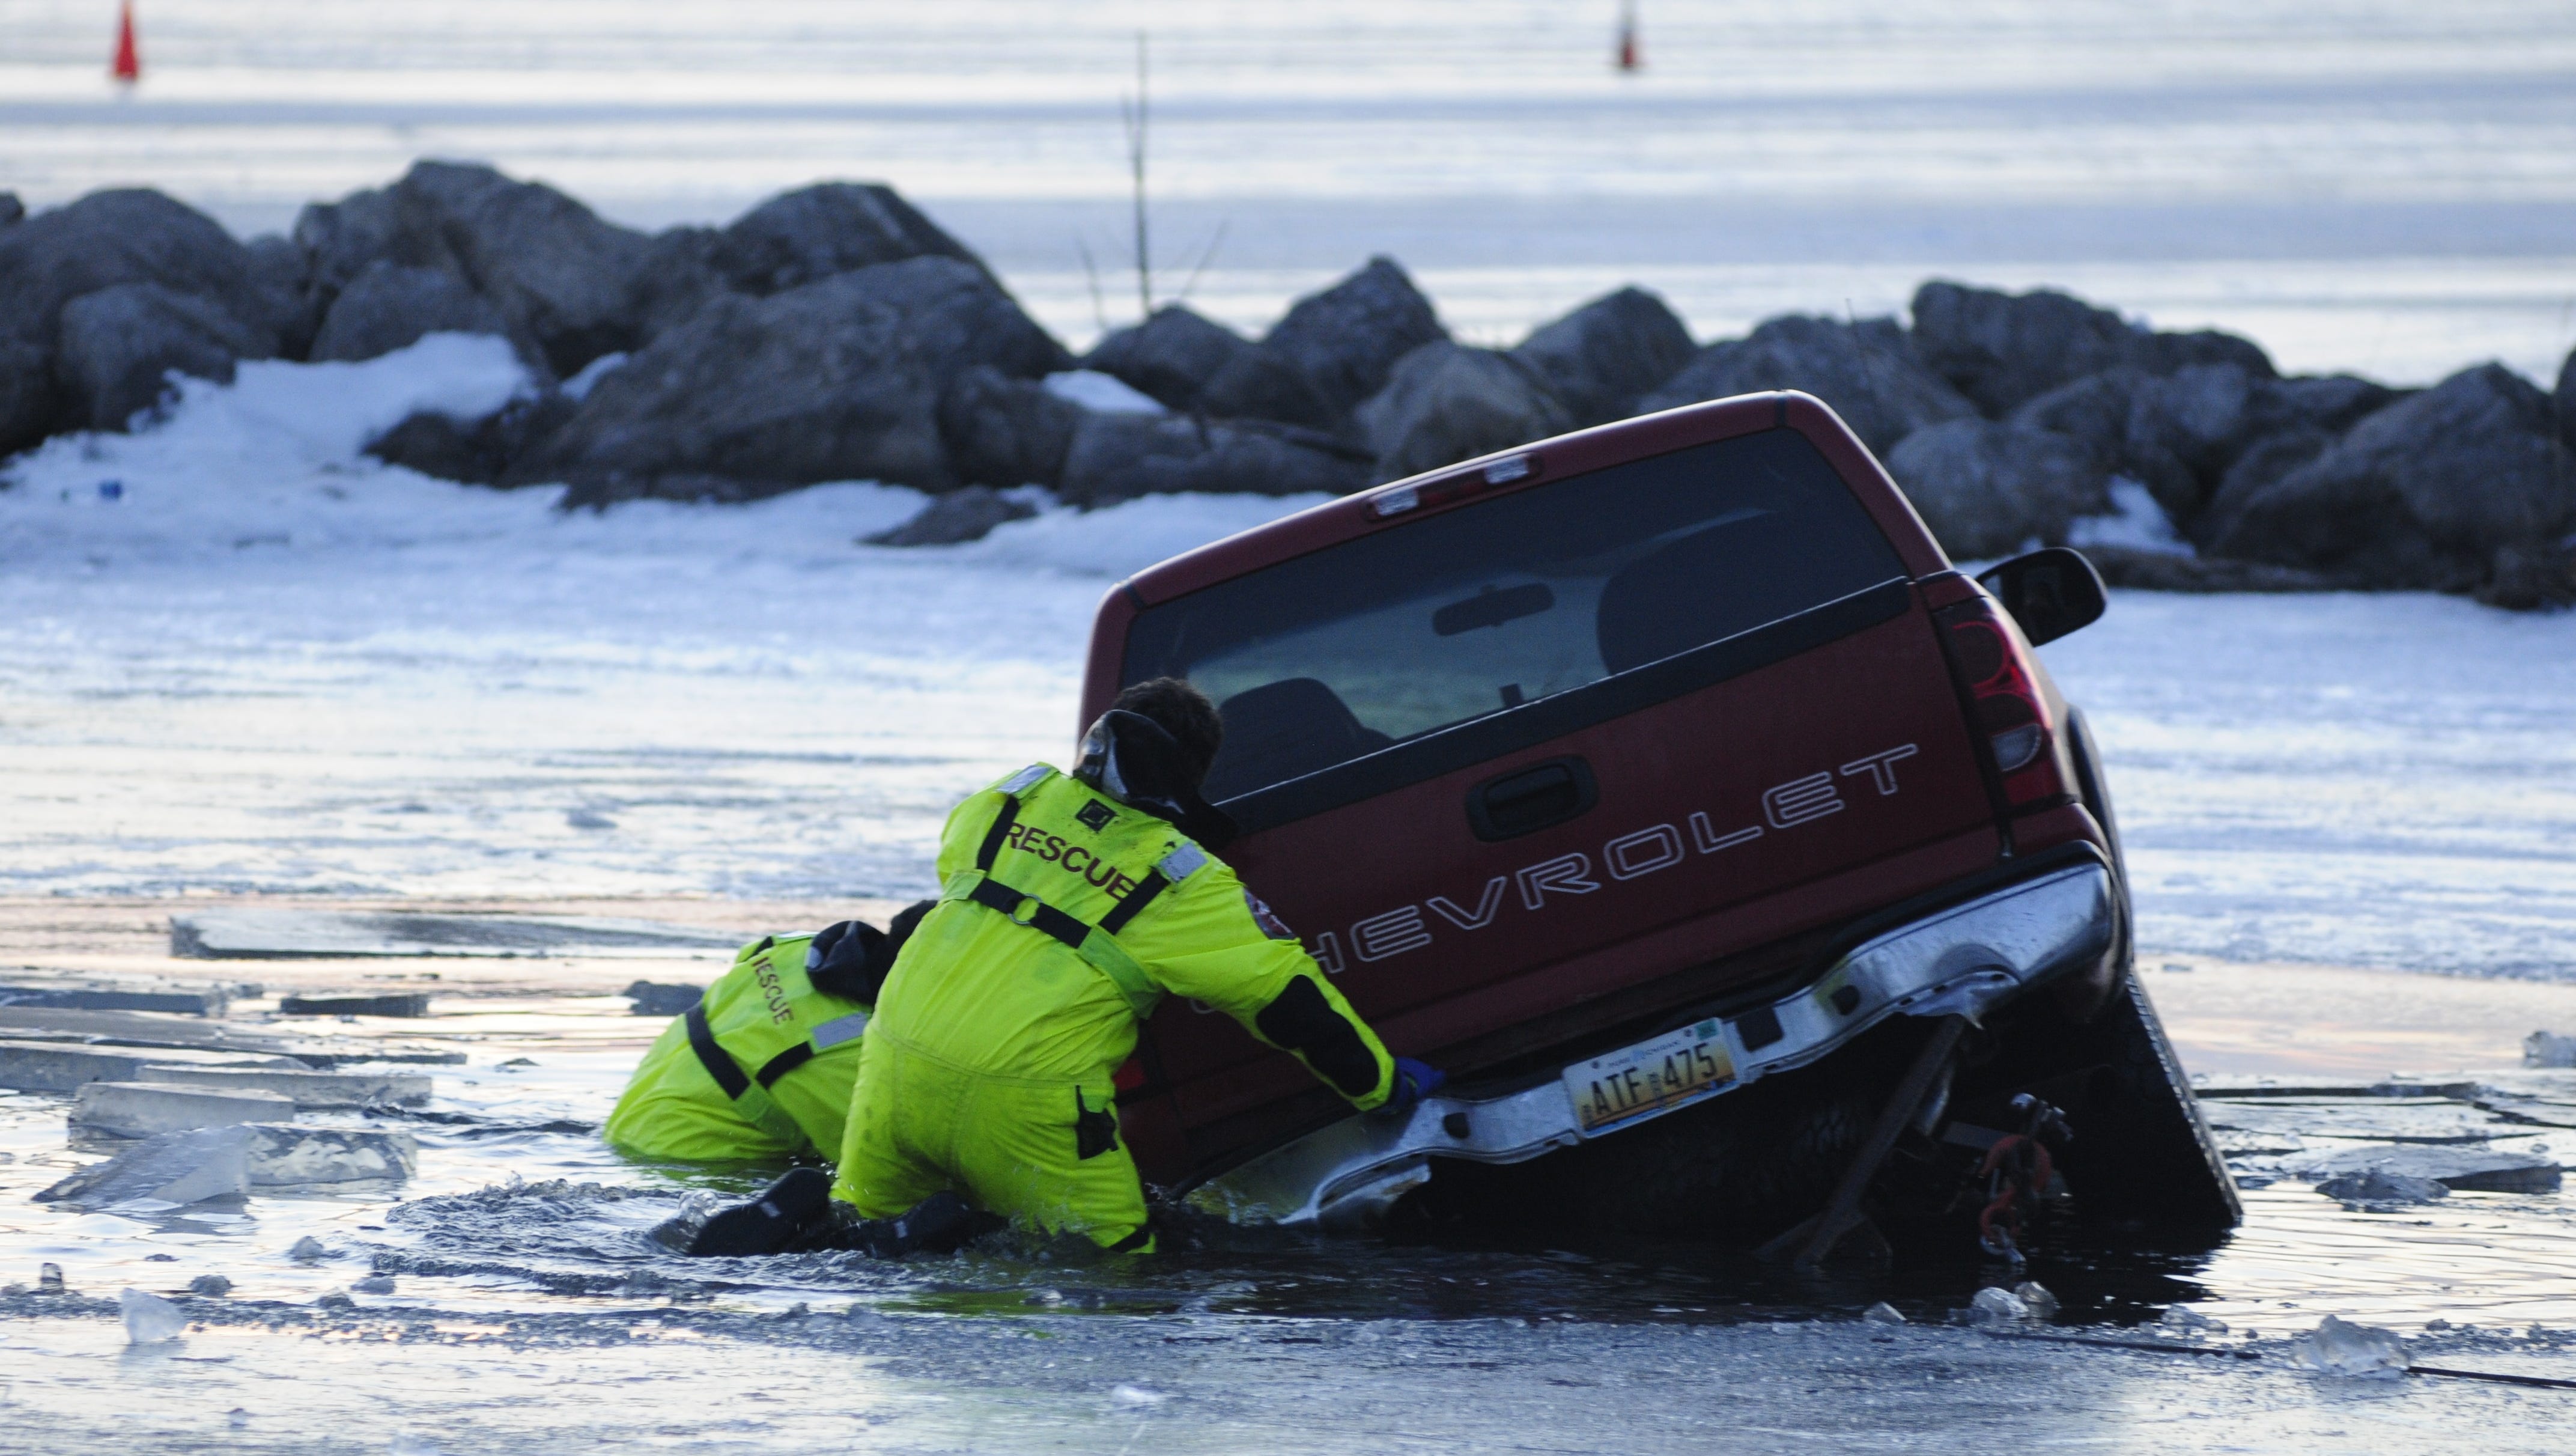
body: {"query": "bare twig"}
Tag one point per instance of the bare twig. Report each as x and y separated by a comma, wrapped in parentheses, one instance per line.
(1134, 115)
(1205, 258)
(1091, 271)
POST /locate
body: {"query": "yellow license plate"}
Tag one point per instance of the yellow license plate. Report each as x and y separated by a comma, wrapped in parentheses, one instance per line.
(1652, 1076)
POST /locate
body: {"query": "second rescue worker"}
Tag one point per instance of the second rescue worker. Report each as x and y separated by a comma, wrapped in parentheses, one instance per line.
(1069, 907)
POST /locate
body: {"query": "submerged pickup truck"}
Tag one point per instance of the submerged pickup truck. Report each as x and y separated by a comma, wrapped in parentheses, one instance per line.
(1667, 785)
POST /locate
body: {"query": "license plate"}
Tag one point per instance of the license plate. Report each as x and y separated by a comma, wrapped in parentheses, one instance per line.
(1650, 1077)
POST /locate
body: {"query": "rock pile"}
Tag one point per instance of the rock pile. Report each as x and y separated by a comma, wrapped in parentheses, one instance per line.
(836, 333)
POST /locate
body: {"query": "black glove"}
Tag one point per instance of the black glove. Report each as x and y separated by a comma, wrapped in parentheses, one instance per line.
(850, 960)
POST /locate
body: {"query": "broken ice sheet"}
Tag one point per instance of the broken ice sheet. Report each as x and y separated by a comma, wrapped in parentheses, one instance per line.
(2379, 1186)
(2352, 1351)
(149, 1319)
(180, 1168)
(1994, 1306)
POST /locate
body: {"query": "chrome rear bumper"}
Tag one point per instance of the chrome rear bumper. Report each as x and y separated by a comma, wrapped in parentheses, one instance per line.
(1966, 960)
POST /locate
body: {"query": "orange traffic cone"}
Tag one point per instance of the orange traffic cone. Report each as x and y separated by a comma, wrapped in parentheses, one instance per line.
(128, 67)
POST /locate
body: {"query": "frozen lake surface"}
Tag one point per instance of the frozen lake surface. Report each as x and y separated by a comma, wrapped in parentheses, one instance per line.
(2359, 184)
(269, 664)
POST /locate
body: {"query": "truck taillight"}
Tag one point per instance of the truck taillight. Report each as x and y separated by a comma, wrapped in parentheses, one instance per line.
(2004, 702)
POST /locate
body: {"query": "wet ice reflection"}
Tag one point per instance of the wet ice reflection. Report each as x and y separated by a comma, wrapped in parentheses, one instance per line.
(517, 1208)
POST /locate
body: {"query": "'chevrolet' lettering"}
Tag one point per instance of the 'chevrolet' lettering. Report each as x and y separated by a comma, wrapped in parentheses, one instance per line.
(1628, 856)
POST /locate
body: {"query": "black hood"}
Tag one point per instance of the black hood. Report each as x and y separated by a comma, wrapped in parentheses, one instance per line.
(1136, 761)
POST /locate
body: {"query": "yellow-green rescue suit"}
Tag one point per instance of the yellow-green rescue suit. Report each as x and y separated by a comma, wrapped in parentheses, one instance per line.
(760, 1071)
(1065, 916)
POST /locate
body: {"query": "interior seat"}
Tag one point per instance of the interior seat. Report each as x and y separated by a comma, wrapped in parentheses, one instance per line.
(1284, 730)
(1710, 584)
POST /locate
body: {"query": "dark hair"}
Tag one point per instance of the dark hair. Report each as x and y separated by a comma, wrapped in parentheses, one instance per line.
(1183, 711)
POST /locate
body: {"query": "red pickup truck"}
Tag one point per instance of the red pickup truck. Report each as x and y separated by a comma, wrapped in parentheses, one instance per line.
(1667, 785)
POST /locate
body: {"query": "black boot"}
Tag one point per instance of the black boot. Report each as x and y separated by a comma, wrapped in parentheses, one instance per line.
(943, 1223)
(780, 1219)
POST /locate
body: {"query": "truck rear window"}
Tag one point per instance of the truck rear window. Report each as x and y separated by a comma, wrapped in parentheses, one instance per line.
(1487, 609)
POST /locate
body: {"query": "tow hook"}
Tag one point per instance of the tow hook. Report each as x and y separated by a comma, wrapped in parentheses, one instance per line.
(2017, 1172)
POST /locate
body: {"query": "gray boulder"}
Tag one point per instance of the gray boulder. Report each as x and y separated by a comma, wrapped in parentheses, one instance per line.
(963, 515)
(559, 275)
(1446, 402)
(2332, 402)
(286, 274)
(2184, 434)
(837, 380)
(117, 346)
(1347, 338)
(1117, 457)
(1172, 355)
(2002, 349)
(1867, 371)
(1003, 431)
(2264, 462)
(12, 211)
(675, 278)
(101, 241)
(2531, 576)
(2167, 572)
(472, 452)
(800, 237)
(1604, 357)
(388, 306)
(1263, 384)
(339, 239)
(2564, 400)
(1986, 489)
(2160, 353)
(29, 409)
(2422, 494)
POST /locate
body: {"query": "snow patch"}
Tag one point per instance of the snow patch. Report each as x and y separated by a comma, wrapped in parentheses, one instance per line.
(2136, 522)
(1101, 393)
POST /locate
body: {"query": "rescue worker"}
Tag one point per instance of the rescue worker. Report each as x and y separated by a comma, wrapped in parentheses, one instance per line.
(1069, 907)
(760, 1070)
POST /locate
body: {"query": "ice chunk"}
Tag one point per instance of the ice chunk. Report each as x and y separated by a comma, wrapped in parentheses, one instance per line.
(1883, 1313)
(2184, 1320)
(149, 1319)
(2485, 1170)
(146, 1109)
(309, 1157)
(171, 1170)
(2035, 1295)
(374, 1284)
(1137, 1395)
(307, 1250)
(308, 1089)
(2547, 1049)
(2357, 1351)
(212, 1286)
(1994, 1306)
(2377, 1185)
